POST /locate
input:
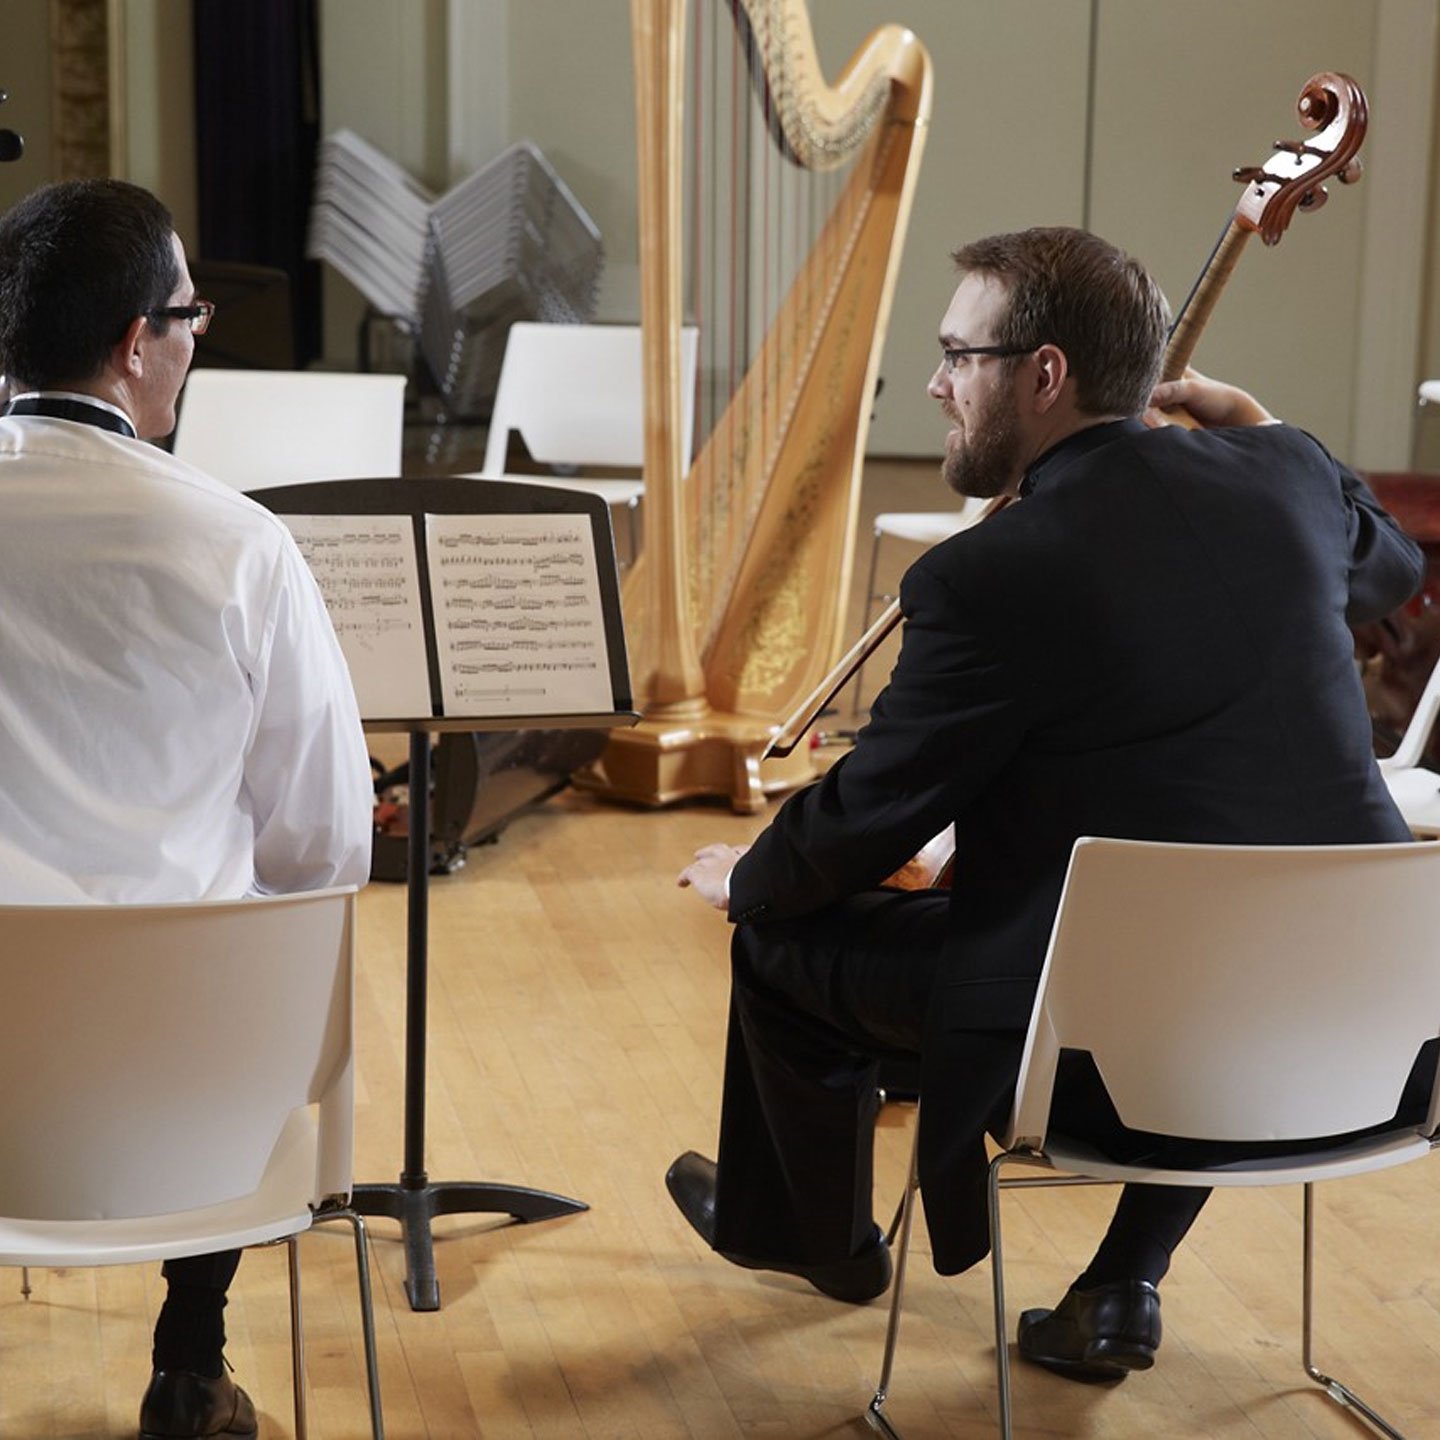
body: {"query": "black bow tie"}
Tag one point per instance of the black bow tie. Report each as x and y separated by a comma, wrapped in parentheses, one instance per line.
(57, 408)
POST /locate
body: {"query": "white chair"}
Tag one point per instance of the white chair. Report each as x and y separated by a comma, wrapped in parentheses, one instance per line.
(915, 527)
(1229, 993)
(130, 1132)
(255, 429)
(1414, 789)
(575, 394)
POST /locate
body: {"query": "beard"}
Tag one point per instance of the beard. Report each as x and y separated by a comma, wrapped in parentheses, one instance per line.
(984, 460)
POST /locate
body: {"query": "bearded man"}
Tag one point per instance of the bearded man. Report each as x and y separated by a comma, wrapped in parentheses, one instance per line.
(1152, 644)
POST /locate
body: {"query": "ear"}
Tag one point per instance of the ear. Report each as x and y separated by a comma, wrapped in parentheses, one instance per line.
(1052, 370)
(128, 356)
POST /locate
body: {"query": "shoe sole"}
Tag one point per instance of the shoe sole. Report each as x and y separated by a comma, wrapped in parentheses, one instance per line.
(810, 1276)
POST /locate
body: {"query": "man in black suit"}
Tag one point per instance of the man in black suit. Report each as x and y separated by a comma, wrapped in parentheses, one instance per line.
(1152, 644)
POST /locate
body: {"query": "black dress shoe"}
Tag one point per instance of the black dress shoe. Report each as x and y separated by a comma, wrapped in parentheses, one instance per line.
(691, 1183)
(1095, 1335)
(180, 1405)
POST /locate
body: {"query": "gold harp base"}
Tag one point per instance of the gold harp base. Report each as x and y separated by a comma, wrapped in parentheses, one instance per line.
(661, 762)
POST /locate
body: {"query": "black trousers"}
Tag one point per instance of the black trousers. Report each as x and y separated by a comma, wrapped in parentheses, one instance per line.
(816, 1006)
(190, 1331)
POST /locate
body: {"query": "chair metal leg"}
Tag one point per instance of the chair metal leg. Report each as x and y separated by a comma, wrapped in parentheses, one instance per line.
(367, 1308)
(1341, 1394)
(859, 680)
(875, 1413)
(997, 1276)
(297, 1337)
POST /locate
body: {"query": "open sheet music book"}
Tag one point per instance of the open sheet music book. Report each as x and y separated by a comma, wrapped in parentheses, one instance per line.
(467, 604)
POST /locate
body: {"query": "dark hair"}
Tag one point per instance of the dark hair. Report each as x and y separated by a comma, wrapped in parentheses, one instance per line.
(78, 262)
(1071, 289)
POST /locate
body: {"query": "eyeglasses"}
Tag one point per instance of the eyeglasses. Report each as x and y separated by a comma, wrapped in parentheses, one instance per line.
(196, 316)
(955, 353)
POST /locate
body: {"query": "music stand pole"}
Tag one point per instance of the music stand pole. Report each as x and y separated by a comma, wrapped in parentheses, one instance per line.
(413, 1200)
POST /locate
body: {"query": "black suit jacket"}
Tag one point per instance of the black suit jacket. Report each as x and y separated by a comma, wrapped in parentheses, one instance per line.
(1153, 645)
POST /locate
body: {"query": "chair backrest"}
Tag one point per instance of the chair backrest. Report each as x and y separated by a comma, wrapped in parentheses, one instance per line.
(255, 429)
(1411, 749)
(156, 1056)
(575, 393)
(1240, 992)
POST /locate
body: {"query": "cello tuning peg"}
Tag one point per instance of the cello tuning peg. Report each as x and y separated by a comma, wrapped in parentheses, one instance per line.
(1352, 172)
(1298, 148)
(1314, 199)
(1246, 173)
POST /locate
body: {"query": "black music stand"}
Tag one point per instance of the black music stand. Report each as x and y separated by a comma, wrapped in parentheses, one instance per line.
(414, 1199)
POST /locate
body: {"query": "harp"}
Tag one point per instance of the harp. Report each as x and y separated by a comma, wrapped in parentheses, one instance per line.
(736, 608)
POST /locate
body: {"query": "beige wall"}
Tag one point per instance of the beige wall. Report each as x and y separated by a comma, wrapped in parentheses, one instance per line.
(158, 140)
(25, 73)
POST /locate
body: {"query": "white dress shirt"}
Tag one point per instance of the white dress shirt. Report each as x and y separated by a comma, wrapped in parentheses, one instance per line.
(176, 719)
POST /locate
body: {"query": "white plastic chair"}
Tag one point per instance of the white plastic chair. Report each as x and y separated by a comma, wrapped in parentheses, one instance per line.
(1413, 788)
(915, 527)
(255, 429)
(178, 1080)
(575, 393)
(1228, 993)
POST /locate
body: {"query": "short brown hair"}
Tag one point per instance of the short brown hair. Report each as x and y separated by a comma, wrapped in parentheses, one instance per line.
(1072, 289)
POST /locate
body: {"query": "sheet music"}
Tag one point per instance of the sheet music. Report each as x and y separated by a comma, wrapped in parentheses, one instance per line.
(370, 578)
(518, 620)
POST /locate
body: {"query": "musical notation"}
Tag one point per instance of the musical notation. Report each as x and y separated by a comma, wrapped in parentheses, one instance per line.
(369, 577)
(518, 621)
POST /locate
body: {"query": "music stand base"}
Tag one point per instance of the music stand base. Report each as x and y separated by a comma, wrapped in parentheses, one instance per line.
(415, 1206)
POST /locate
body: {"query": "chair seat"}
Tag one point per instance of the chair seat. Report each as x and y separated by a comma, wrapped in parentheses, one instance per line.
(1359, 1157)
(278, 1206)
(128, 1242)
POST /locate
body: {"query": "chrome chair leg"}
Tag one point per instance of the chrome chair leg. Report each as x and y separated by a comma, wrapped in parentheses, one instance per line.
(367, 1308)
(1341, 1394)
(997, 1278)
(859, 680)
(875, 1412)
(297, 1337)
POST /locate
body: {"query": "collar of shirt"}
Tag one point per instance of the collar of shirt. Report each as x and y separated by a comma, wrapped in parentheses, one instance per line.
(1073, 446)
(70, 405)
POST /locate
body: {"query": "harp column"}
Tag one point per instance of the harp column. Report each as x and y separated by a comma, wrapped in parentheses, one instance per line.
(677, 687)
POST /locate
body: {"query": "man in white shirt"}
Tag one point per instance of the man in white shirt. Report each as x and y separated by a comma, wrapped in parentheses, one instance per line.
(176, 719)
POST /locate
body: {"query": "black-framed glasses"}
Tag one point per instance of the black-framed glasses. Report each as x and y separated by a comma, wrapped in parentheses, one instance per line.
(196, 316)
(955, 353)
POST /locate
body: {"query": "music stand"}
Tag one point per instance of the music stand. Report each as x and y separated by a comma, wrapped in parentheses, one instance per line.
(414, 1199)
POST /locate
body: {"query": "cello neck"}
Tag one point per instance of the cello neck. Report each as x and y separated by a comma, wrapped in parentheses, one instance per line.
(1200, 303)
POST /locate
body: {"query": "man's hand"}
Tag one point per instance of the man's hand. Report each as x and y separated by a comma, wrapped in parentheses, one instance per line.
(1210, 402)
(708, 873)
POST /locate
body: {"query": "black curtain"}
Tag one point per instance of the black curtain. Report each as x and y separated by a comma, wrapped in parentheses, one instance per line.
(257, 126)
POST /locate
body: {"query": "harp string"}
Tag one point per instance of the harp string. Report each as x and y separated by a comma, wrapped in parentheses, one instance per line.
(764, 236)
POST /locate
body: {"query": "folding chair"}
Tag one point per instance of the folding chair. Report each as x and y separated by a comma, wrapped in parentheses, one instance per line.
(1228, 993)
(915, 527)
(575, 393)
(129, 1134)
(1415, 789)
(255, 429)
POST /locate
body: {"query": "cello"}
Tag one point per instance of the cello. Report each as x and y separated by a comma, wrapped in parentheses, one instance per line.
(1333, 107)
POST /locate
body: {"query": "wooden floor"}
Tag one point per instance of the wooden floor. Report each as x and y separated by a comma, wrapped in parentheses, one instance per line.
(577, 1011)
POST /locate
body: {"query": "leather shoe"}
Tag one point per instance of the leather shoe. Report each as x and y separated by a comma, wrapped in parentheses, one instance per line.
(691, 1183)
(181, 1405)
(1095, 1335)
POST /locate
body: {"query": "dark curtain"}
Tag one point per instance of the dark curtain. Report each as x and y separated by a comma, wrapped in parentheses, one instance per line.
(257, 124)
